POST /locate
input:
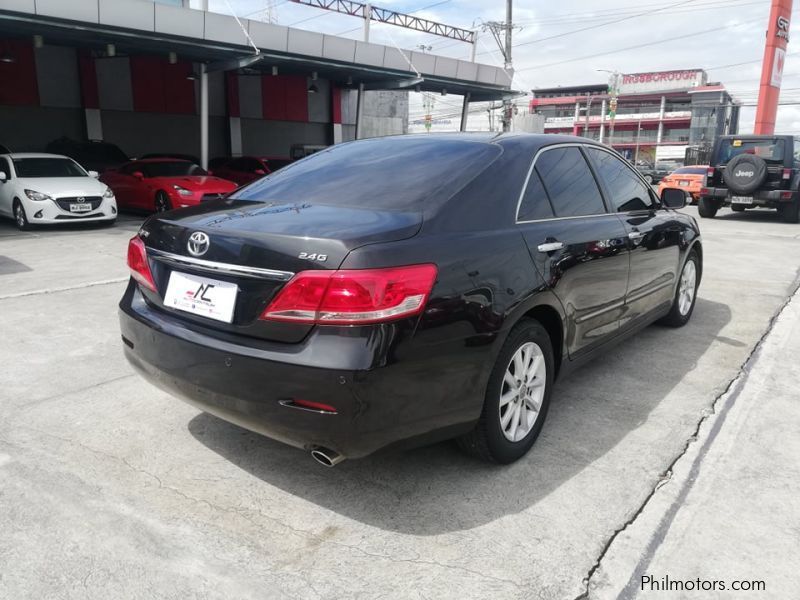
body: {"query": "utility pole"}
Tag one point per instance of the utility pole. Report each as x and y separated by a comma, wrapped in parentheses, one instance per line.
(507, 108)
(506, 27)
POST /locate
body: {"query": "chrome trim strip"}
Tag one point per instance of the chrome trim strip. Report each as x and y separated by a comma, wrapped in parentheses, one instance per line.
(218, 267)
(647, 292)
(597, 313)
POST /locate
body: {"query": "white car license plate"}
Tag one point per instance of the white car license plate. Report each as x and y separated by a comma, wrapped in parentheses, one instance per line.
(80, 208)
(741, 199)
(202, 296)
(683, 183)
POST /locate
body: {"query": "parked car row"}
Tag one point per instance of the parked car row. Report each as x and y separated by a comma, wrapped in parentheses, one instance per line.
(49, 188)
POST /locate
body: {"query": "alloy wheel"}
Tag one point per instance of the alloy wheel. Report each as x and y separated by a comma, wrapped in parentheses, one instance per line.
(19, 215)
(687, 287)
(162, 202)
(522, 392)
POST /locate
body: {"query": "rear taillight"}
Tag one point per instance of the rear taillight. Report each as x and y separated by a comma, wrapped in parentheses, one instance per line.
(353, 297)
(704, 191)
(137, 262)
(787, 174)
(710, 174)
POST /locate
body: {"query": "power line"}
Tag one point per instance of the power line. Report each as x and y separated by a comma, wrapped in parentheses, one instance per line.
(614, 22)
(635, 47)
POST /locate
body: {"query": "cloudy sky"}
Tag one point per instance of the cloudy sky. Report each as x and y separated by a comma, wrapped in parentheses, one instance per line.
(565, 43)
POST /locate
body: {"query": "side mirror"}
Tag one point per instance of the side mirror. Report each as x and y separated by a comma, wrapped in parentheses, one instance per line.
(138, 174)
(94, 174)
(3, 177)
(672, 198)
(209, 172)
(260, 172)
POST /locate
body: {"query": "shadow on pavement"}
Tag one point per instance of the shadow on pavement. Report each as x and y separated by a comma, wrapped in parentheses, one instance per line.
(436, 489)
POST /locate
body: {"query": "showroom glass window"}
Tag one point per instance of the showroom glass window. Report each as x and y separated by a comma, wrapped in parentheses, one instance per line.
(534, 204)
(628, 192)
(569, 183)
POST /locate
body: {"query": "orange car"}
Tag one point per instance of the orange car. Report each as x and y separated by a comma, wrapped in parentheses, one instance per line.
(689, 179)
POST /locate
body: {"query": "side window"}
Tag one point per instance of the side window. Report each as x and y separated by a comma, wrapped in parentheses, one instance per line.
(4, 168)
(627, 191)
(796, 153)
(131, 168)
(534, 204)
(569, 183)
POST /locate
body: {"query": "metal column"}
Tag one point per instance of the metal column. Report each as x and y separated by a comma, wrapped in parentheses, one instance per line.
(360, 111)
(602, 121)
(464, 112)
(660, 133)
(203, 117)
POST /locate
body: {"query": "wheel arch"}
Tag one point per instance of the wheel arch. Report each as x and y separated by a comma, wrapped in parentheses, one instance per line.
(553, 323)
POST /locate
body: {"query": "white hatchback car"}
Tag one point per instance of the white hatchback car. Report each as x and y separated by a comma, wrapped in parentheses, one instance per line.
(49, 188)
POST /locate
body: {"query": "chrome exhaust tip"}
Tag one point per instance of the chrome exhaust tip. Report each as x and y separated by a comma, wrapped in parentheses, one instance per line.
(326, 457)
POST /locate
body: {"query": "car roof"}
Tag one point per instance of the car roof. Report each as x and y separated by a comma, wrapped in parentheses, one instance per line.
(13, 155)
(166, 159)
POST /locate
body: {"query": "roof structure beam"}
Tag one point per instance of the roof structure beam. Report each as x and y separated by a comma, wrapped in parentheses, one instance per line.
(384, 15)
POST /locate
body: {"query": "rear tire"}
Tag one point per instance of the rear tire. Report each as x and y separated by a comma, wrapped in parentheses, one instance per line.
(707, 208)
(517, 397)
(686, 292)
(162, 203)
(789, 212)
(20, 217)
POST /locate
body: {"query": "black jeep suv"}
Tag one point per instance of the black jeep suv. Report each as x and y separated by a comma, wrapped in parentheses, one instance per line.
(750, 171)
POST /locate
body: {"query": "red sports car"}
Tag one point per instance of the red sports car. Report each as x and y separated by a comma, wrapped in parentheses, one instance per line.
(246, 169)
(162, 184)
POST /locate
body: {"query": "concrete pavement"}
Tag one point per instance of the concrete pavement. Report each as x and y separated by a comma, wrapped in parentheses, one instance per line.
(726, 522)
(111, 488)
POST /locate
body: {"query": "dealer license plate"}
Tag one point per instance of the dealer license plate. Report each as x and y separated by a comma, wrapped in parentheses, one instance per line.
(741, 199)
(202, 296)
(80, 208)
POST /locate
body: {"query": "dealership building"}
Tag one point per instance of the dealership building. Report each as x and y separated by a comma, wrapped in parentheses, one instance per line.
(658, 115)
(161, 77)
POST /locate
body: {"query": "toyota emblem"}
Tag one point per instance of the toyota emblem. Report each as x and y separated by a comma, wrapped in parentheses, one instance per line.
(198, 243)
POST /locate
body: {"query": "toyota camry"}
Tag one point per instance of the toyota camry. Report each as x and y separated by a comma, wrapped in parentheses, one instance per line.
(398, 291)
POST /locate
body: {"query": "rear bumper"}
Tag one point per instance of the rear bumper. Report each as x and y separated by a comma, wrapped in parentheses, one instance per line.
(245, 385)
(769, 198)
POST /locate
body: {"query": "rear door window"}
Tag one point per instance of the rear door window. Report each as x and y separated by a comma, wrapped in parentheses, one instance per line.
(625, 189)
(534, 204)
(569, 183)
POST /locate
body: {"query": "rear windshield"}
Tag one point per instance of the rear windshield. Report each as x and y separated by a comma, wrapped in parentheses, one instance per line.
(47, 167)
(395, 173)
(769, 150)
(171, 169)
(690, 171)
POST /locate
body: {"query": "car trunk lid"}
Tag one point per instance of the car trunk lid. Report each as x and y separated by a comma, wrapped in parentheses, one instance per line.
(259, 246)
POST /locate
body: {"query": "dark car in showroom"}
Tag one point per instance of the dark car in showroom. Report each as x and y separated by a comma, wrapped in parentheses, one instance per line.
(92, 155)
(753, 171)
(402, 290)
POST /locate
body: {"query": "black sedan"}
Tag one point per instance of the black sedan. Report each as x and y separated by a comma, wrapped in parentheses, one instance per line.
(402, 290)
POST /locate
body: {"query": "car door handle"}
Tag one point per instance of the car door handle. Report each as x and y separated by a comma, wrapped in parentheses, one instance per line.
(550, 246)
(635, 235)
